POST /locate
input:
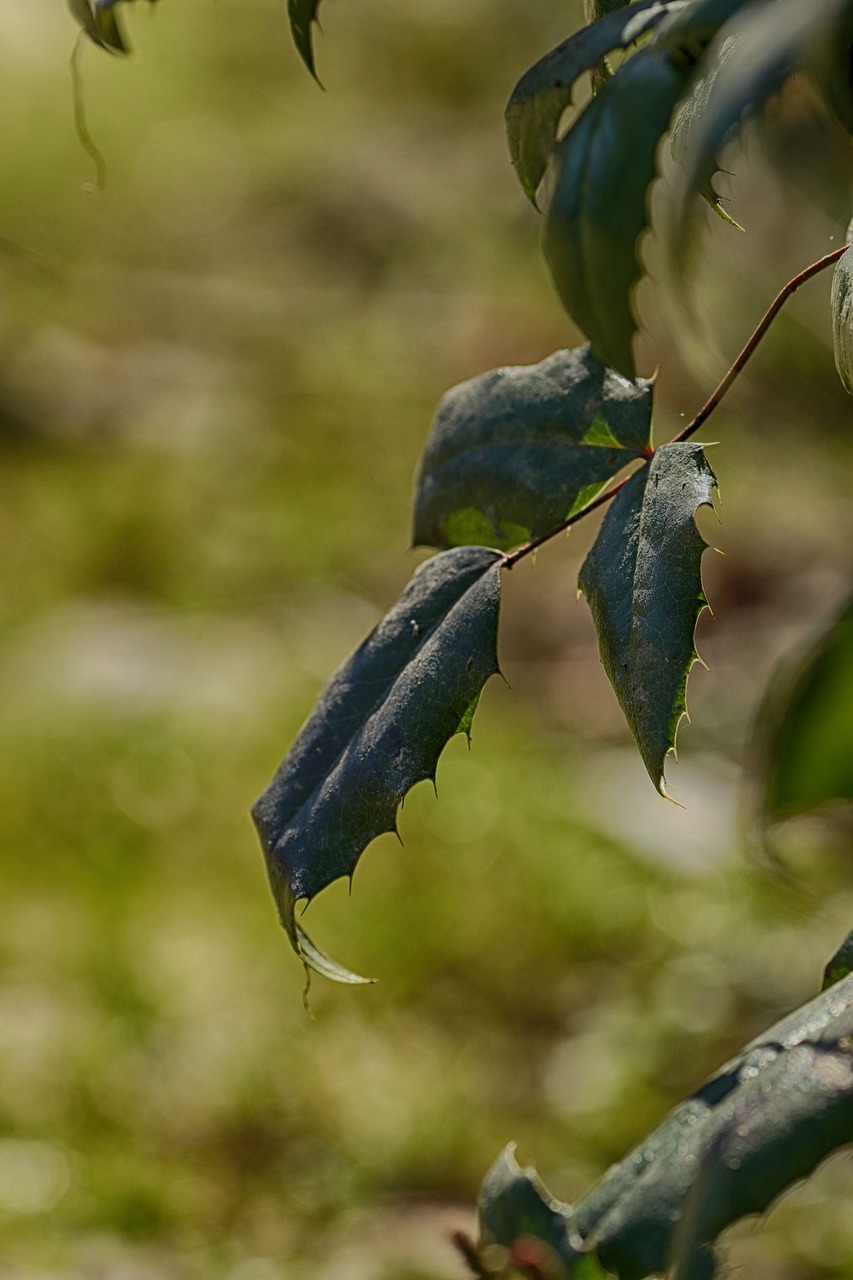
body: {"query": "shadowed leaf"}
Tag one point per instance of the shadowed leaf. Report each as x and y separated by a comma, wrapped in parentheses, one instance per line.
(545, 91)
(595, 200)
(840, 965)
(769, 43)
(378, 728)
(643, 584)
(512, 452)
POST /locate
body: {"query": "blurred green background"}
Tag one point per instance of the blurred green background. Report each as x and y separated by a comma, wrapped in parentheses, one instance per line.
(216, 376)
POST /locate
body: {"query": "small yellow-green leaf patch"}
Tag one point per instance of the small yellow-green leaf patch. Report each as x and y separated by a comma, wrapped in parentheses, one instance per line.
(513, 452)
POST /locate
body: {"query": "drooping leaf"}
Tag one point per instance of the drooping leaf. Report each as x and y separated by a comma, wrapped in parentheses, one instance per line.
(765, 1120)
(99, 19)
(842, 316)
(378, 728)
(545, 91)
(806, 728)
(769, 44)
(596, 195)
(513, 452)
(301, 14)
(643, 583)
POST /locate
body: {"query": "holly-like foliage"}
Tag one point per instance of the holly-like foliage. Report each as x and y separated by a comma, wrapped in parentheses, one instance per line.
(513, 458)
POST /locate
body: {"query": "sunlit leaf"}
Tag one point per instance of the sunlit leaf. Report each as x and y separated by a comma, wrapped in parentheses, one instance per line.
(542, 95)
(512, 452)
(643, 583)
(378, 728)
(596, 199)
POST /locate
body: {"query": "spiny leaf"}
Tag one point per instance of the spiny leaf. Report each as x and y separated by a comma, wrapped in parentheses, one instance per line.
(842, 316)
(545, 91)
(762, 58)
(765, 1120)
(643, 584)
(378, 728)
(301, 14)
(806, 728)
(840, 965)
(511, 453)
(768, 1118)
(596, 199)
(514, 1202)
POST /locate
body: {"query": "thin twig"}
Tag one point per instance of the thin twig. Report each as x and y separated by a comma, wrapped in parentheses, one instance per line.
(769, 316)
(704, 413)
(511, 560)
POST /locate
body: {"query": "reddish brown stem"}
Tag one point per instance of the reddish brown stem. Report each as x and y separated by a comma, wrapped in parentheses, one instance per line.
(704, 413)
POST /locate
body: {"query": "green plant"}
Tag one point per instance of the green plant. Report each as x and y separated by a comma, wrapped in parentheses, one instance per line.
(514, 458)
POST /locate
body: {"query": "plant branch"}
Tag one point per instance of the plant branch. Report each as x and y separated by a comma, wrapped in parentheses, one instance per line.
(511, 560)
(769, 316)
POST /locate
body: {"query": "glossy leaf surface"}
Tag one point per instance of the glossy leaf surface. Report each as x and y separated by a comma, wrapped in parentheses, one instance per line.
(596, 199)
(642, 581)
(378, 728)
(545, 91)
(513, 452)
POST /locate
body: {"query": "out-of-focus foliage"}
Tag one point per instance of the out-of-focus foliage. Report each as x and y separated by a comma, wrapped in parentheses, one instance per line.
(806, 751)
(732, 55)
(216, 378)
(764, 1120)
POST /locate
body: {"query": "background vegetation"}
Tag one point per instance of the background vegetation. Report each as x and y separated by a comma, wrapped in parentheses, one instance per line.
(215, 380)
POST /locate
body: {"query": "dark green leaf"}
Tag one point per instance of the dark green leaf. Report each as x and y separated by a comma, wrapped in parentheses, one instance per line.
(378, 728)
(596, 199)
(840, 965)
(643, 583)
(301, 14)
(542, 95)
(806, 727)
(513, 452)
(767, 1119)
(842, 316)
(594, 10)
(513, 1203)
